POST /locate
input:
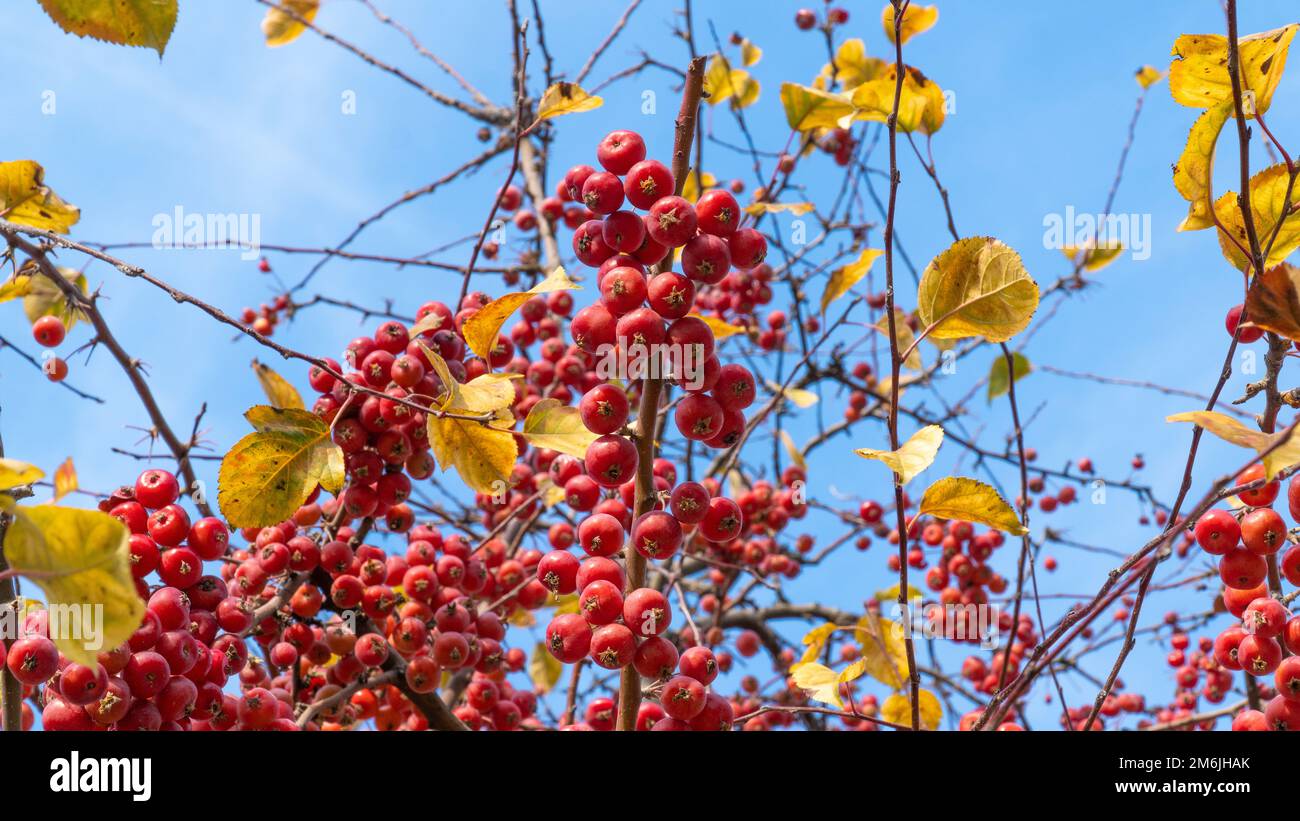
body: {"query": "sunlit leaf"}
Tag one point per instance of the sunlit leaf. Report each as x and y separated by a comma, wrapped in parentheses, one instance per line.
(897, 709)
(957, 497)
(750, 53)
(1198, 75)
(913, 456)
(1194, 171)
(566, 98)
(482, 329)
(978, 287)
(276, 387)
(1283, 455)
(793, 451)
(270, 473)
(808, 108)
(14, 473)
(146, 23)
(80, 559)
(1268, 198)
(884, 650)
(916, 19)
(845, 277)
(27, 200)
(44, 298)
(852, 65)
(1093, 257)
(721, 329)
(823, 684)
(554, 425)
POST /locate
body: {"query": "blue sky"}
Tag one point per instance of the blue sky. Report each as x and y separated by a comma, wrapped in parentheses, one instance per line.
(1043, 93)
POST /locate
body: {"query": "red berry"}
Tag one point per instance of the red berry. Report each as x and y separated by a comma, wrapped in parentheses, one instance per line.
(671, 221)
(1217, 532)
(49, 331)
(748, 248)
(620, 150)
(718, 213)
(1263, 531)
(1250, 333)
(646, 182)
(656, 535)
(1260, 497)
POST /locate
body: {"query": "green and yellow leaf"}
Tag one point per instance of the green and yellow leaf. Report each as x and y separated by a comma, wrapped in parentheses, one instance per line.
(1194, 171)
(270, 473)
(970, 500)
(1283, 454)
(1268, 199)
(80, 559)
(554, 425)
(999, 383)
(897, 709)
(147, 23)
(978, 287)
(544, 669)
(916, 19)
(823, 684)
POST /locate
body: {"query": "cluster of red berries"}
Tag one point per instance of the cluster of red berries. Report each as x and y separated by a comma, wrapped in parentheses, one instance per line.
(50, 332)
(267, 316)
(1245, 541)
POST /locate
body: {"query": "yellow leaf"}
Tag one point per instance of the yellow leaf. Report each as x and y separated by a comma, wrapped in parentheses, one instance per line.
(915, 455)
(65, 479)
(798, 396)
(27, 200)
(17, 287)
(905, 337)
(897, 709)
(815, 642)
(484, 454)
(920, 105)
(795, 454)
(43, 297)
(276, 387)
(482, 329)
(691, 190)
(884, 650)
(721, 330)
(717, 80)
(1093, 257)
(14, 473)
(957, 497)
(795, 208)
(81, 560)
(844, 278)
(146, 23)
(823, 683)
(1194, 171)
(852, 65)
(281, 28)
(268, 474)
(1268, 196)
(978, 287)
(1148, 76)
(557, 426)
(1235, 433)
(544, 669)
(566, 98)
(808, 108)
(745, 89)
(750, 53)
(1198, 76)
(916, 19)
